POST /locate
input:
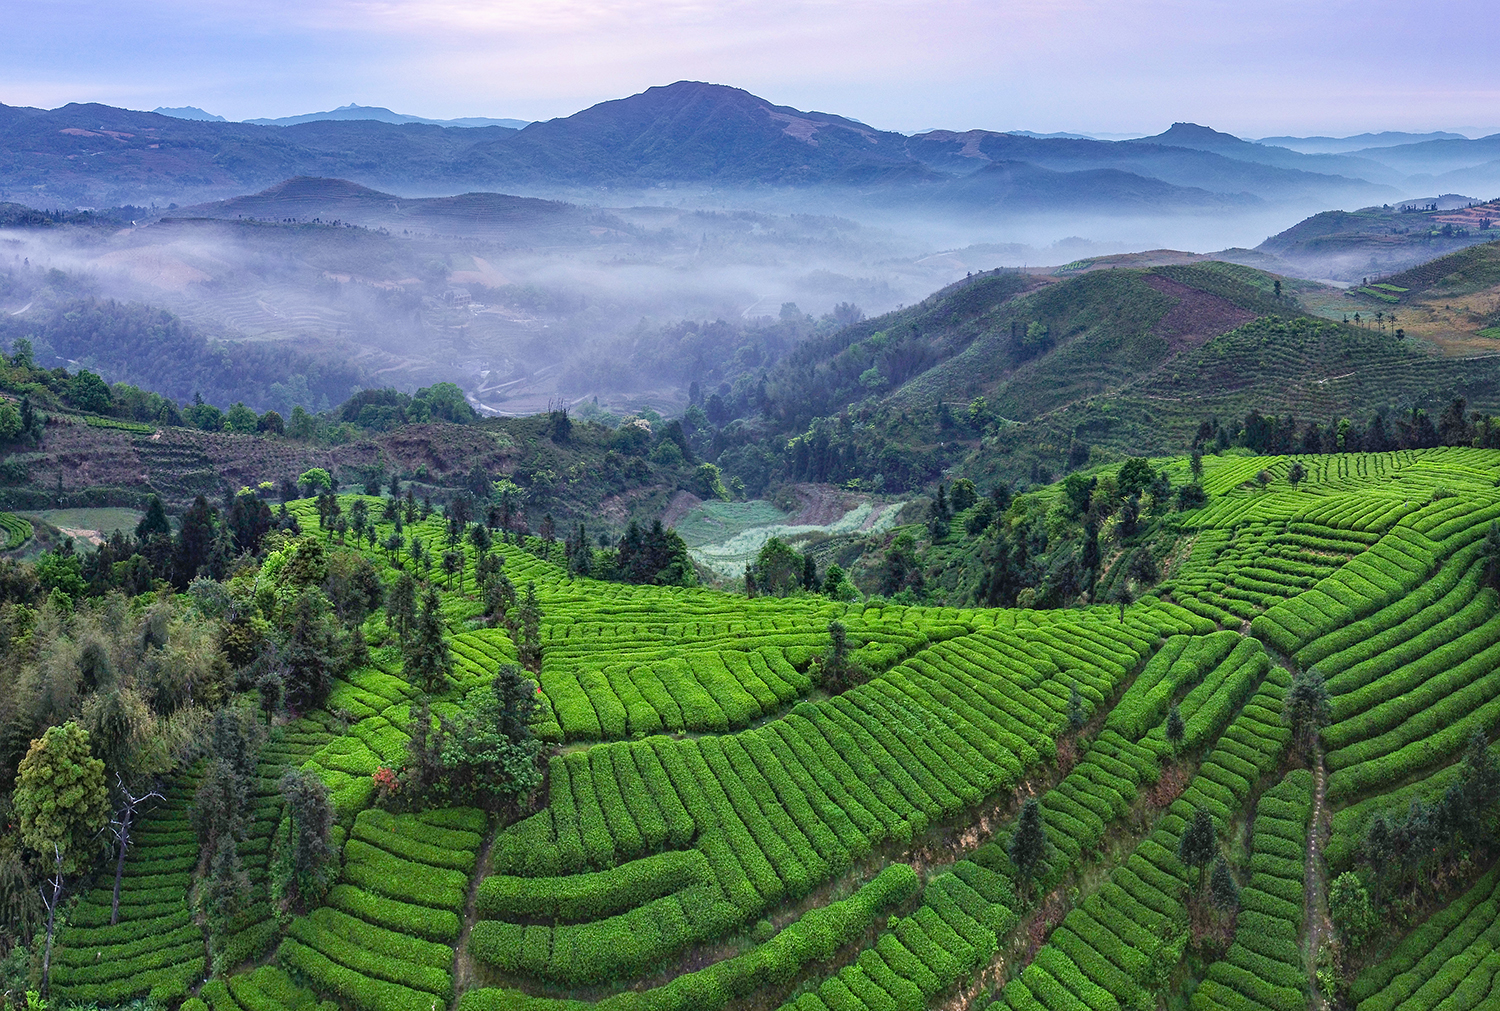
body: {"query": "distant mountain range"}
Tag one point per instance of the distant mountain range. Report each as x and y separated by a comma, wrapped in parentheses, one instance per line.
(381, 115)
(711, 137)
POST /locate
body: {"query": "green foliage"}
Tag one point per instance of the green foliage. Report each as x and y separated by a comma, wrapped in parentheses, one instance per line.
(60, 801)
(1349, 906)
(306, 862)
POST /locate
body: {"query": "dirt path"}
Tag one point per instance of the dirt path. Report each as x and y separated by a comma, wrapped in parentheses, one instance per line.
(463, 964)
(1315, 915)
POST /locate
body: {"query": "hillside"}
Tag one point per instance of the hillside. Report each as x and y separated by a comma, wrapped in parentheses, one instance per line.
(1010, 376)
(1358, 245)
(993, 814)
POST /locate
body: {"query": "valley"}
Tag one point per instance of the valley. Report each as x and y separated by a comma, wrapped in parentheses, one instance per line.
(696, 554)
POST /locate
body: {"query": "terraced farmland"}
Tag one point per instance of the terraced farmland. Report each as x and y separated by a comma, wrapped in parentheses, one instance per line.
(716, 831)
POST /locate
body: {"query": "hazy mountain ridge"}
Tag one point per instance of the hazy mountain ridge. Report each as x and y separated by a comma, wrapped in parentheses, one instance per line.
(684, 134)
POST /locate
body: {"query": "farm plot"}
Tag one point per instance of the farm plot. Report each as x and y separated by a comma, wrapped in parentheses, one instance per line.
(698, 785)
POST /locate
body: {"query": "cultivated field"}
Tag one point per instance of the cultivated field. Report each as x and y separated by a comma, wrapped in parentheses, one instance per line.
(715, 832)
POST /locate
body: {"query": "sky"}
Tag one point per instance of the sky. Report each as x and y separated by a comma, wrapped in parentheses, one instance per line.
(1250, 67)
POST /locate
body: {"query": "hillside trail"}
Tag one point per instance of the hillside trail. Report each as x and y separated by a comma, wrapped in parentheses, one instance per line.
(1315, 913)
(463, 963)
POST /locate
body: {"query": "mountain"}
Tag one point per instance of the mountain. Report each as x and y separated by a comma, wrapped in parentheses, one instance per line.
(1437, 156)
(1202, 138)
(686, 132)
(380, 115)
(305, 198)
(87, 155)
(1358, 142)
(1008, 187)
(683, 134)
(1175, 164)
(189, 112)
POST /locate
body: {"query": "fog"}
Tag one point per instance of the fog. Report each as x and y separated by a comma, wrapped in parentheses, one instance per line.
(514, 305)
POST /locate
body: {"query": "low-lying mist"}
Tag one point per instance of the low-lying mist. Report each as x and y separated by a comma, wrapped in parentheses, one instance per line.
(532, 302)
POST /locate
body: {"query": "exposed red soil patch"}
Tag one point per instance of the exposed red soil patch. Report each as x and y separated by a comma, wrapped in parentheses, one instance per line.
(682, 503)
(820, 504)
(1197, 318)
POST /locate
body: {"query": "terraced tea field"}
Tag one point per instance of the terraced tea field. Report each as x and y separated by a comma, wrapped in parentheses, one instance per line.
(716, 832)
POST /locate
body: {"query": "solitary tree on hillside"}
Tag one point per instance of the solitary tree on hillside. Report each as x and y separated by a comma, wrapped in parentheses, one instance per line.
(1175, 728)
(1492, 556)
(1029, 843)
(1199, 843)
(1296, 473)
(1307, 708)
(1222, 887)
(1076, 716)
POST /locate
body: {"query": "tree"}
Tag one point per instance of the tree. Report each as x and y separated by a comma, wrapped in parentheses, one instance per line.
(1199, 843)
(1076, 716)
(963, 495)
(310, 649)
(315, 480)
(193, 543)
(1377, 849)
(272, 691)
(778, 569)
(1480, 779)
(1307, 708)
(836, 670)
(499, 595)
(307, 864)
(939, 514)
(1492, 556)
(903, 566)
(426, 656)
(490, 752)
(837, 585)
(223, 891)
(60, 800)
(1124, 596)
(155, 522)
(1029, 844)
(1175, 728)
(529, 630)
(1350, 908)
(1295, 473)
(89, 393)
(401, 605)
(1223, 891)
(453, 564)
(250, 520)
(1143, 567)
(1135, 476)
(353, 587)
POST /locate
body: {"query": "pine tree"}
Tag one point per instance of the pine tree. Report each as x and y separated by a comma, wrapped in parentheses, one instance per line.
(529, 630)
(1307, 708)
(1175, 729)
(1029, 844)
(1223, 890)
(309, 862)
(1199, 843)
(401, 605)
(222, 893)
(1076, 716)
(427, 660)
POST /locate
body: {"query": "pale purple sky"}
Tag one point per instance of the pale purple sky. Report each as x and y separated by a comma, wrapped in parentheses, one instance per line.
(1251, 67)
